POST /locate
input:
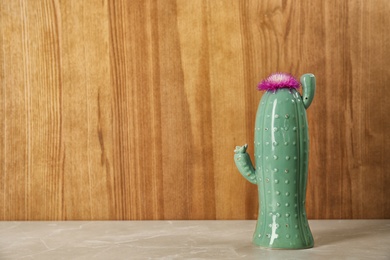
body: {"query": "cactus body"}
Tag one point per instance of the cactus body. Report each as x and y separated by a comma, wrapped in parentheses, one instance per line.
(281, 147)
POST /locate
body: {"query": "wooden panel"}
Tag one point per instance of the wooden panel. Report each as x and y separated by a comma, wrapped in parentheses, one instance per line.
(132, 109)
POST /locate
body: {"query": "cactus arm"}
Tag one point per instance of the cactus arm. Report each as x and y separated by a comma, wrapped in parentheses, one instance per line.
(244, 164)
(308, 82)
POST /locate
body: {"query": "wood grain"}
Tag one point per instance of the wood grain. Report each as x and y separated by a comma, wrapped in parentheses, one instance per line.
(131, 109)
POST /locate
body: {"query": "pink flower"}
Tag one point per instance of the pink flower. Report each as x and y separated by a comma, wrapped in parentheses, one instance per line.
(277, 81)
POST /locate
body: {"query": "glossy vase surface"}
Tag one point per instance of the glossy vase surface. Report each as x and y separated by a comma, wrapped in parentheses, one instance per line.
(281, 146)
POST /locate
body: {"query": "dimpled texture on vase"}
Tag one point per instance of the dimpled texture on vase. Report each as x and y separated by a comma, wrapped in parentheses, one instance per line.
(281, 146)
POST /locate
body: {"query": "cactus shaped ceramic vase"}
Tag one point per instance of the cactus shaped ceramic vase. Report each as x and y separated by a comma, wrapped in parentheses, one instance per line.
(281, 154)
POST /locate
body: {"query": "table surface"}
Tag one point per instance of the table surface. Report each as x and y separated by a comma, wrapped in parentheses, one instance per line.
(334, 239)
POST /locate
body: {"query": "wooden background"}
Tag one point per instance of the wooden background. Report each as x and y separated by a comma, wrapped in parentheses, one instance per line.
(132, 109)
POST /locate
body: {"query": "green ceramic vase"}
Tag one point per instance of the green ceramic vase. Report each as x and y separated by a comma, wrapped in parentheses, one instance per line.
(281, 146)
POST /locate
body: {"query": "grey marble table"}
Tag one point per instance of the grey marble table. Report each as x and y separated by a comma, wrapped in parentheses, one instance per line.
(334, 239)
